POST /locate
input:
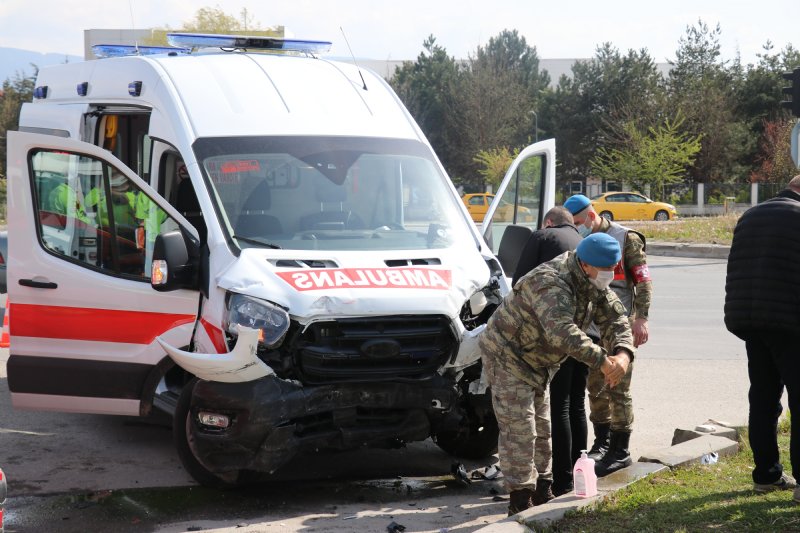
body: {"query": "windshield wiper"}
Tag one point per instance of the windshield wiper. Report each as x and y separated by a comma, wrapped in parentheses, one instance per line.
(263, 244)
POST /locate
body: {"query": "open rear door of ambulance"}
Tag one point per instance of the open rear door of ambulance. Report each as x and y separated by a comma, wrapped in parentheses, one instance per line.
(526, 193)
(85, 318)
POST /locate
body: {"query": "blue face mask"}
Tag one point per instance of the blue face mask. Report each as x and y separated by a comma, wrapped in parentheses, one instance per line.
(584, 230)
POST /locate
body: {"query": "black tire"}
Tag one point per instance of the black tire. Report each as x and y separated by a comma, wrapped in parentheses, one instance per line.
(661, 216)
(607, 215)
(476, 438)
(182, 439)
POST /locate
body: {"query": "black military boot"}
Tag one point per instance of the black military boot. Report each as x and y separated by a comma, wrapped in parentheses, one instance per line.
(543, 492)
(519, 501)
(617, 456)
(601, 438)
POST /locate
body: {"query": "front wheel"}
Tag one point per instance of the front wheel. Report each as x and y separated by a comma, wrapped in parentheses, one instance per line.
(476, 435)
(661, 216)
(608, 215)
(183, 440)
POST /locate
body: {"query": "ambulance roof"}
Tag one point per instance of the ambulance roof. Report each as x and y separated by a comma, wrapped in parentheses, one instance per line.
(239, 94)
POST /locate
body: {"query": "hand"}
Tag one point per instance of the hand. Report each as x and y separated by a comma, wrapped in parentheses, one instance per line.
(623, 360)
(615, 371)
(640, 331)
(611, 370)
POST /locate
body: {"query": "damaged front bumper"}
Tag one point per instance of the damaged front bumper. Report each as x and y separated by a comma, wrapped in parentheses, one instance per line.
(273, 419)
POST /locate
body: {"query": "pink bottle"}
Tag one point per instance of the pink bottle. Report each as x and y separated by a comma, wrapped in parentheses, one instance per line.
(584, 477)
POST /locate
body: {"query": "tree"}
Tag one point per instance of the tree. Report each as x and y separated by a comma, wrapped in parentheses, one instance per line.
(215, 20)
(775, 164)
(500, 87)
(759, 94)
(509, 64)
(657, 157)
(494, 164)
(15, 92)
(702, 87)
(430, 89)
(585, 112)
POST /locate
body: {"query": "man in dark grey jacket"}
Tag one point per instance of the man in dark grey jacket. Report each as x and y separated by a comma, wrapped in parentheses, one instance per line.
(762, 307)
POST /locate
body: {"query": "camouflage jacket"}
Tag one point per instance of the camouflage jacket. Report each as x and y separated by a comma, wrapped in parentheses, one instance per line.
(543, 320)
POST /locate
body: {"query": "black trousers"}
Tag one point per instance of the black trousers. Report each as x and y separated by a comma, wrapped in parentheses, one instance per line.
(568, 418)
(773, 362)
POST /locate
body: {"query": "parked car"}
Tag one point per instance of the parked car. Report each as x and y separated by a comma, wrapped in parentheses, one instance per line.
(632, 206)
(478, 203)
(3, 260)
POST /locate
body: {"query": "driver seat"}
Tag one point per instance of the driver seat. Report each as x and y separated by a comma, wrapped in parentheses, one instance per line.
(254, 220)
(332, 213)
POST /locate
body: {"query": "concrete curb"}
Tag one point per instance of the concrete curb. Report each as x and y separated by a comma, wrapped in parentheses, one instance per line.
(681, 454)
(679, 249)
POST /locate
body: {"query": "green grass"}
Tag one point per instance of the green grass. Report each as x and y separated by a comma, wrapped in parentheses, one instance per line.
(716, 497)
(701, 230)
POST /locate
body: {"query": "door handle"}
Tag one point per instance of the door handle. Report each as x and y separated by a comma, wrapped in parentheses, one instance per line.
(38, 284)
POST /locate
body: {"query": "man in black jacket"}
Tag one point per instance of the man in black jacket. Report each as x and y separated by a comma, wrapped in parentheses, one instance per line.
(568, 388)
(762, 307)
(556, 237)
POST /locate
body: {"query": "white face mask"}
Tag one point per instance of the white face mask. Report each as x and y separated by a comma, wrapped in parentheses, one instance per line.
(603, 279)
(584, 230)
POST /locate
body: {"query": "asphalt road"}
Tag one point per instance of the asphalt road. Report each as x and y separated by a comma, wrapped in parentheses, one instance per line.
(691, 370)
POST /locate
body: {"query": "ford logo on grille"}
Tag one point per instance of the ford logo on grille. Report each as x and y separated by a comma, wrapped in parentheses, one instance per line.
(380, 348)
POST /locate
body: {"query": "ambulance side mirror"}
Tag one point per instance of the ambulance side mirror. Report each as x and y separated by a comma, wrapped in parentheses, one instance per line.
(175, 262)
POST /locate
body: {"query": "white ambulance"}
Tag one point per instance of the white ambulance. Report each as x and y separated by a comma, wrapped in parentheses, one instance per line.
(260, 242)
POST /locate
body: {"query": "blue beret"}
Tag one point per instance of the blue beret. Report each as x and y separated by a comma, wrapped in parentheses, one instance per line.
(599, 250)
(577, 203)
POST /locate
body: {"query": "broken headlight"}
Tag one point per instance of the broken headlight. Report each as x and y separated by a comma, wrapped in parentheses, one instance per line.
(271, 321)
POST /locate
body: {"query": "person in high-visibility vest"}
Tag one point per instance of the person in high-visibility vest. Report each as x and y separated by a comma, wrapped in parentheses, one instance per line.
(123, 200)
(65, 201)
(149, 218)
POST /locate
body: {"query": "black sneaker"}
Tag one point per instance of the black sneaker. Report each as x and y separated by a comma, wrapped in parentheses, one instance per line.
(785, 482)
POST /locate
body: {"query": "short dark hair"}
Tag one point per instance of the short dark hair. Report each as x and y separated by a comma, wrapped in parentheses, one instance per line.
(558, 215)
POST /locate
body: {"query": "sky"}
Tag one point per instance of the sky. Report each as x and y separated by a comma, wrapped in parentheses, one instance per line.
(380, 29)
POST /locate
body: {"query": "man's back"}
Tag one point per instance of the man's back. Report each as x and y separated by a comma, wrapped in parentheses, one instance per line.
(546, 244)
(762, 288)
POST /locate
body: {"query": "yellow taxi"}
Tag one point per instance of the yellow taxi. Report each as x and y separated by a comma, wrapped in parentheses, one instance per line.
(631, 206)
(478, 203)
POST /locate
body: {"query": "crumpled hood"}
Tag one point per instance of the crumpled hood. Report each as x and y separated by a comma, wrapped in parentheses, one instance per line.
(347, 284)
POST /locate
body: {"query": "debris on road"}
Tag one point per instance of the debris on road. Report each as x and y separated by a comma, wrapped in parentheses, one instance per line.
(460, 474)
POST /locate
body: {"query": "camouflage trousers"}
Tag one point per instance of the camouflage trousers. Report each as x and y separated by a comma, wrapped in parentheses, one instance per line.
(611, 405)
(523, 417)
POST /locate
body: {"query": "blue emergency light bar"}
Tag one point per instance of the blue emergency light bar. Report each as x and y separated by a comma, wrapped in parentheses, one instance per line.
(103, 51)
(246, 42)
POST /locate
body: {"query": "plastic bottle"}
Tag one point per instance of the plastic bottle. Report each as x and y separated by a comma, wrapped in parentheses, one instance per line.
(584, 477)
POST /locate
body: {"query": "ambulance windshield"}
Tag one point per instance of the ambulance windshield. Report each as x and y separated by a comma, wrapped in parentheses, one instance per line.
(331, 193)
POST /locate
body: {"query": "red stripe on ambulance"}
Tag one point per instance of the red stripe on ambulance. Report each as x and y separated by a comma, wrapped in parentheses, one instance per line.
(368, 278)
(89, 324)
(215, 334)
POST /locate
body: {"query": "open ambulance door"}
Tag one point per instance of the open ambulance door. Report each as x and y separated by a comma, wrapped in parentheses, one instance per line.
(526, 193)
(82, 228)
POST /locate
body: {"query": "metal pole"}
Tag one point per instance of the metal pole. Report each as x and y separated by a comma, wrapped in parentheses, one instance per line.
(535, 126)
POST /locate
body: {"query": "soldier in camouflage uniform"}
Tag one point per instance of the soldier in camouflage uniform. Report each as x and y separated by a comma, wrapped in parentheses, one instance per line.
(536, 327)
(633, 286)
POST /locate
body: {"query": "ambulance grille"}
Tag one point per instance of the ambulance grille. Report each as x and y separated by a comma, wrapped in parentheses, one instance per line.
(380, 348)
